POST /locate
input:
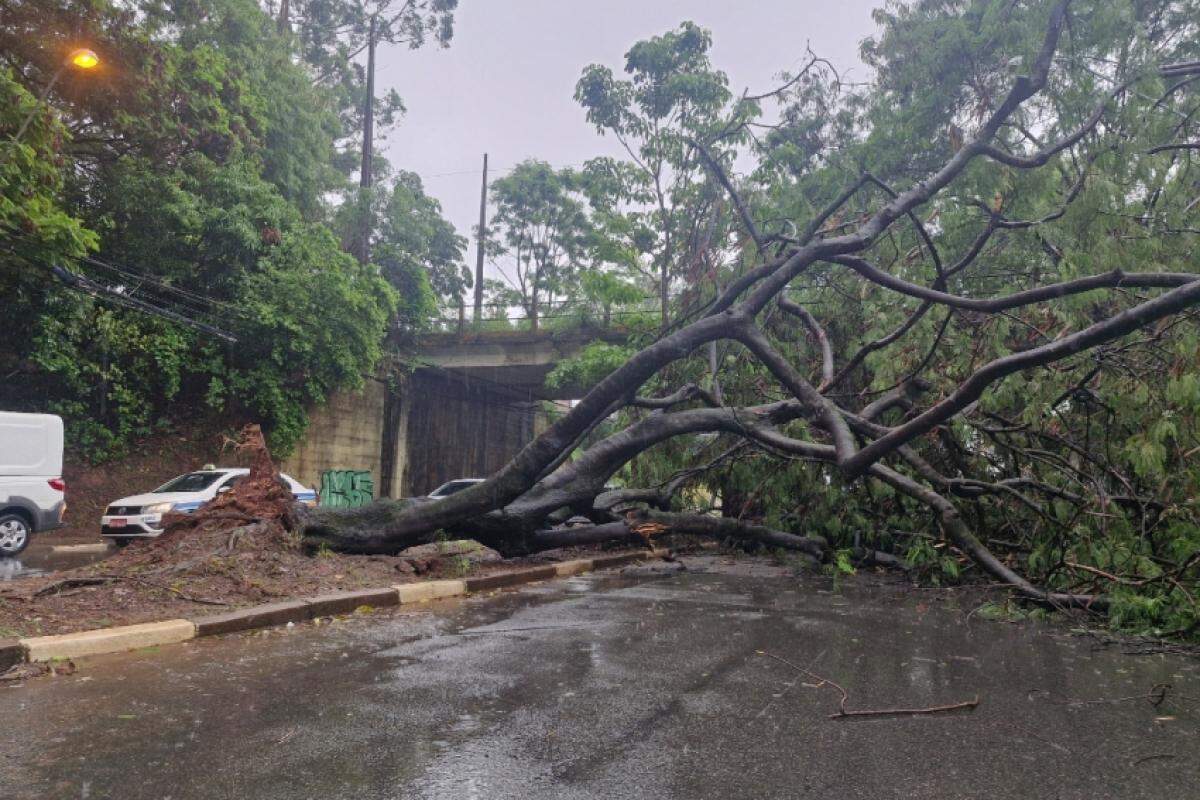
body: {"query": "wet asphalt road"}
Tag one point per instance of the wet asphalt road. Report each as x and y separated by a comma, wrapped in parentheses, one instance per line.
(630, 686)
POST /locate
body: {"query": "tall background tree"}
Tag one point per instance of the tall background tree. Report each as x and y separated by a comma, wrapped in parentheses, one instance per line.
(660, 203)
(540, 229)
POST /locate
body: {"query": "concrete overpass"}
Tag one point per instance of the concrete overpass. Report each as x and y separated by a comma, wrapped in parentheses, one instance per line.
(518, 360)
(471, 403)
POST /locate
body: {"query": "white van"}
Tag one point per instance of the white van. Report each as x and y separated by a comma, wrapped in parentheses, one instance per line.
(31, 484)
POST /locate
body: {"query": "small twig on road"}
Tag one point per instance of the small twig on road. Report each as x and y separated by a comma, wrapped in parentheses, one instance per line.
(1154, 757)
(881, 712)
(1155, 696)
(889, 712)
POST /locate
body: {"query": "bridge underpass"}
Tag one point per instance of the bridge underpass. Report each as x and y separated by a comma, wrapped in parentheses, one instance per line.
(473, 402)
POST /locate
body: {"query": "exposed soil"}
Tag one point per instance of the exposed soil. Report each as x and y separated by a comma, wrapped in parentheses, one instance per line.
(151, 462)
(136, 588)
(238, 550)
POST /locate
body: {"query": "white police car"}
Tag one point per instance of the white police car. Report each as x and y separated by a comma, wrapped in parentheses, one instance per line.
(140, 516)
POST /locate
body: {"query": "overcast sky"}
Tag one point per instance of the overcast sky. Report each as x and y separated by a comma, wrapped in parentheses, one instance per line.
(506, 83)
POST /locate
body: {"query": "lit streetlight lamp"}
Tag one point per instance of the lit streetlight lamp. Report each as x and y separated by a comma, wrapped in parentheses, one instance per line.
(82, 59)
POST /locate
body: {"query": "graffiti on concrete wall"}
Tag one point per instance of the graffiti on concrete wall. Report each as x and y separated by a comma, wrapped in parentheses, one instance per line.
(346, 488)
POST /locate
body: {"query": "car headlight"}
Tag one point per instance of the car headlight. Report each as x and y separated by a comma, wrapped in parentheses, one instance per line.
(157, 508)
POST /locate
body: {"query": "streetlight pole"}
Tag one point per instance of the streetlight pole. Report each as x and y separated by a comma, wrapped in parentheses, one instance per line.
(82, 59)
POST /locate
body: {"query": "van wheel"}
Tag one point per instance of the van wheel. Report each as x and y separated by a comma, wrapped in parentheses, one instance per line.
(14, 534)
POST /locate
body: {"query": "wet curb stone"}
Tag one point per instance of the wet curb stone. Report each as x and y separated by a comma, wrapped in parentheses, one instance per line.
(108, 640)
(502, 580)
(263, 616)
(133, 637)
(577, 567)
(429, 590)
(348, 602)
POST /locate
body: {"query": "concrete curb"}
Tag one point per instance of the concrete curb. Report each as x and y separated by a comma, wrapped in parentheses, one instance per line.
(244, 619)
(328, 605)
(96, 547)
(148, 634)
(565, 569)
(108, 640)
(502, 580)
(429, 590)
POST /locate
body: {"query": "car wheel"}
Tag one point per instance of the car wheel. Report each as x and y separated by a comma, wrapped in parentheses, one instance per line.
(14, 534)
(120, 542)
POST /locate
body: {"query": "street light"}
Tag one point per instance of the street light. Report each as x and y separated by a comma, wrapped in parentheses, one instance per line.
(84, 58)
(80, 58)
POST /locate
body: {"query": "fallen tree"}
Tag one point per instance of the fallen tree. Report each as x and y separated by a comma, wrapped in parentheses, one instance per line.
(888, 245)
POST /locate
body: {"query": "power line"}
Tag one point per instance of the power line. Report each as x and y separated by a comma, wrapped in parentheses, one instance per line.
(127, 273)
(98, 290)
(124, 297)
(501, 171)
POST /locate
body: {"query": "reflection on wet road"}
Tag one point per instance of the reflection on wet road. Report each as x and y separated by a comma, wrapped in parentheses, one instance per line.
(38, 559)
(617, 687)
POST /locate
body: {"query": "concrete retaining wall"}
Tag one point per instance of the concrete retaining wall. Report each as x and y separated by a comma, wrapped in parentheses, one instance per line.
(344, 433)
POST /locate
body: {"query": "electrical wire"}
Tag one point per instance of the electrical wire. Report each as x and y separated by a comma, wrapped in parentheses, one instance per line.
(89, 287)
(123, 297)
(199, 303)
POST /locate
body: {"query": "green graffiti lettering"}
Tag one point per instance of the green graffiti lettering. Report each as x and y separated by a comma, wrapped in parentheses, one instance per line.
(346, 488)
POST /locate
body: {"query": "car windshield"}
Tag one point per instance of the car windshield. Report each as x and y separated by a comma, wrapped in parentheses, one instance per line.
(447, 489)
(192, 482)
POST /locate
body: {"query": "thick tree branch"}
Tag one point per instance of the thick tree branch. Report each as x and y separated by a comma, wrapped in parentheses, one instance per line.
(818, 333)
(970, 390)
(1108, 280)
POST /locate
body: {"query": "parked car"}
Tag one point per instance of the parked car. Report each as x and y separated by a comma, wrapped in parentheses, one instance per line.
(32, 491)
(446, 489)
(140, 516)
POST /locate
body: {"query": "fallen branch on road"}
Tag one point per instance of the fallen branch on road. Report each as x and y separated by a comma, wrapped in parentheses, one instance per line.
(842, 712)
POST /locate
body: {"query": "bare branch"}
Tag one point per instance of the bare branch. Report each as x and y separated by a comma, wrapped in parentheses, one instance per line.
(1108, 280)
(971, 389)
(818, 333)
(735, 198)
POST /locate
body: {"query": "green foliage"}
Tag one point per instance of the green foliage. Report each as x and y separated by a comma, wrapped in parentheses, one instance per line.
(203, 157)
(1099, 451)
(658, 215)
(541, 227)
(413, 238)
(31, 177)
(591, 365)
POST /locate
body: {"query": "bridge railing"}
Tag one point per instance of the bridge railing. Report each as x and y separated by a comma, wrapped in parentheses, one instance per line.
(557, 315)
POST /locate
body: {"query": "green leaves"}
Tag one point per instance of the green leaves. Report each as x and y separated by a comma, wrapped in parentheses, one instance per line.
(592, 364)
(542, 228)
(204, 160)
(31, 178)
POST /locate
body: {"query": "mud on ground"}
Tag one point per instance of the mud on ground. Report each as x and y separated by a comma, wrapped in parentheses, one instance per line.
(238, 550)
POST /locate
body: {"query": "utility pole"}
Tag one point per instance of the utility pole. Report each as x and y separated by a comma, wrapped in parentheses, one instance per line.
(368, 153)
(479, 247)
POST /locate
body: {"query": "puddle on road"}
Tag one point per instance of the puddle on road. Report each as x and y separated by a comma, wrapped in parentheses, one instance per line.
(40, 560)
